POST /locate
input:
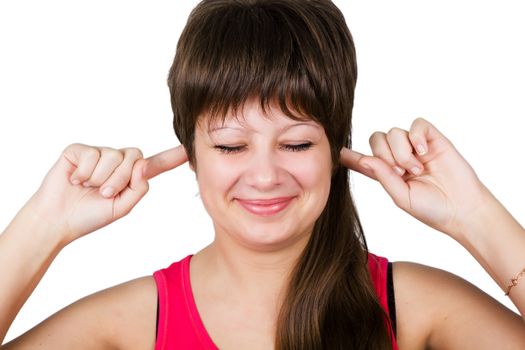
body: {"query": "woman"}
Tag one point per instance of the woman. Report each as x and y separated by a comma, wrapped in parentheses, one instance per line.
(262, 95)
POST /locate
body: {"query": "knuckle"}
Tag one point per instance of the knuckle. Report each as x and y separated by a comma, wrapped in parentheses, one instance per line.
(395, 131)
(418, 124)
(419, 120)
(375, 136)
(113, 155)
(90, 152)
(72, 147)
(134, 152)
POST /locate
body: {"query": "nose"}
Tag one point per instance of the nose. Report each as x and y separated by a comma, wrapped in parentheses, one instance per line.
(263, 171)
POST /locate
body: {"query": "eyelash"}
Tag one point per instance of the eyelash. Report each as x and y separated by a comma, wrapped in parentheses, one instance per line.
(237, 149)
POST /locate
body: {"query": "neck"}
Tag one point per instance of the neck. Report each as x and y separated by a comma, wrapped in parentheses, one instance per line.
(248, 272)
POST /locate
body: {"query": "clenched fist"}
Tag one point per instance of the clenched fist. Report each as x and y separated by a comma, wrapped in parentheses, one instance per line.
(424, 174)
(90, 187)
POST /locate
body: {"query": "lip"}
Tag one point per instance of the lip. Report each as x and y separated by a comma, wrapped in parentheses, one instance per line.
(265, 207)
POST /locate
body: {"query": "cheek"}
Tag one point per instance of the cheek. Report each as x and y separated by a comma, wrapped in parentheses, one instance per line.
(214, 178)
(312, 172)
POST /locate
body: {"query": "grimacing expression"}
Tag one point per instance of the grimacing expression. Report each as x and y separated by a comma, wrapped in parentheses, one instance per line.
(263, 179)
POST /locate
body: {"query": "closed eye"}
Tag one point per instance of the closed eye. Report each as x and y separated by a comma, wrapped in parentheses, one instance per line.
(237, 149)
(297, 148)
(228, 149)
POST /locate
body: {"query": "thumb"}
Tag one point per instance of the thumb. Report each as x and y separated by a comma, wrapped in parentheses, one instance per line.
(392, 182)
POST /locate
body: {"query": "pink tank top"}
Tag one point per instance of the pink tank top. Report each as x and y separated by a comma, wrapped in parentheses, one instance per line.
(180, 326)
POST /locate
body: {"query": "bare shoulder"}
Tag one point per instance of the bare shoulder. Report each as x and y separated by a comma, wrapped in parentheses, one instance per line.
(120, 317)
(436, 309)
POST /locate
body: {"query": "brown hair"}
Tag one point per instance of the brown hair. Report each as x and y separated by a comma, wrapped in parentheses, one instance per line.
(299, 53)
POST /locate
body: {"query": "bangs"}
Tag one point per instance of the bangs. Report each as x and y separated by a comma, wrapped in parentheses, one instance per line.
(216, 115)
(296, 55)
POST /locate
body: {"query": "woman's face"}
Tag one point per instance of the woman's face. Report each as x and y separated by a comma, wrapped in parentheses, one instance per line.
(264, 180)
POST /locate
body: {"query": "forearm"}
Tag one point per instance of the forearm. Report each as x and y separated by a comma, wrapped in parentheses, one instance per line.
(27, 248)
(497, 241)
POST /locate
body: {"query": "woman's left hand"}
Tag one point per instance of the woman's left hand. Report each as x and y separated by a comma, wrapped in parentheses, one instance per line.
(433, 182)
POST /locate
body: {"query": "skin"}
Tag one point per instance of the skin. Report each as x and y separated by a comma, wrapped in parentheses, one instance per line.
(252, 255)
(435, 309)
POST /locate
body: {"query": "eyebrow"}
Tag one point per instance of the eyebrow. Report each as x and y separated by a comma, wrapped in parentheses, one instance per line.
(283, 129)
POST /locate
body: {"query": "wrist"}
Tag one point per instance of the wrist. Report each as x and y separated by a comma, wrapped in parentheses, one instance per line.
(30, 223)
(481, 219)
(495, 239)
(493, 236)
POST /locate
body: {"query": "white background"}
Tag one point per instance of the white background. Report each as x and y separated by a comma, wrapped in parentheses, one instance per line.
(95, 72)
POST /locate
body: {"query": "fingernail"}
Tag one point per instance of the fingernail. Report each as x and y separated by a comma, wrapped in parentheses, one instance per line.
(415, 170)
(86, 184)
(399, 171)
(108, 192)
(75, 181)
(420, 150)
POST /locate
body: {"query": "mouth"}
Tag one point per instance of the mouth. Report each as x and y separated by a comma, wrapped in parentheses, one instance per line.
(265, 207)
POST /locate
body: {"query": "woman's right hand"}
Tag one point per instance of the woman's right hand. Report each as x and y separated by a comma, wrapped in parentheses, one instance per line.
(90, 187)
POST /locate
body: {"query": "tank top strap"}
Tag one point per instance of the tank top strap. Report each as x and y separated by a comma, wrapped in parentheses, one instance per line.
(378, 267)
(179, 325)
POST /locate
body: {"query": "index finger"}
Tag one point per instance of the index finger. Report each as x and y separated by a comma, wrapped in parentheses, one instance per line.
(350, 159)
(164, 161)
